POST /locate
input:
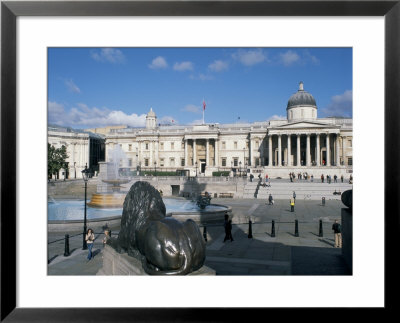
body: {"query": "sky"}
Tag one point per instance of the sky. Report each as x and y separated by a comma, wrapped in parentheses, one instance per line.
(97, 87)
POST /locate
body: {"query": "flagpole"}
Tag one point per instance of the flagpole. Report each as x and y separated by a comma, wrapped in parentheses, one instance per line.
(204, 107)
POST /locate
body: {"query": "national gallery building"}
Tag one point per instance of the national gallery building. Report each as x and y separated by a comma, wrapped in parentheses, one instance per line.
(301, 143)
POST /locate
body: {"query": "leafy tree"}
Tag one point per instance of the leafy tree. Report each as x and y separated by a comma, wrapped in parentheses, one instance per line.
(56, 159)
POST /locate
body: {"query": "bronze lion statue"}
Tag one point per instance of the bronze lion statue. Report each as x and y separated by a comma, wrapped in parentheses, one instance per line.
(164, 245)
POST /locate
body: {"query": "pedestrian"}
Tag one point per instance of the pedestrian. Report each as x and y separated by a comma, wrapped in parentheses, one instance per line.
(312, 178)
(228, 228)
(341, 178)
(294, 195)
(335, 178)
(292, 205)
(89, 242)
(290, 176)
(259, 178)
(251, 177)
(351, 179)
(270, 199)
(337, 230)
(266, 178)
(322, 178)
(106, 237)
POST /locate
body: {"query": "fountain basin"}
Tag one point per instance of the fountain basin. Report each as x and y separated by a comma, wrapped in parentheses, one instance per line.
(107, 200)
(67, 215)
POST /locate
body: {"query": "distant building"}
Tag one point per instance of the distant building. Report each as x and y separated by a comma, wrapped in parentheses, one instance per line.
(300, 143)
(83, 148)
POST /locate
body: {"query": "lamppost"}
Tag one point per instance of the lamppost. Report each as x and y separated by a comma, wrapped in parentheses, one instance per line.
(240, 169)
(196, 169)
(232, 168)
(85, 176)
(155, 168)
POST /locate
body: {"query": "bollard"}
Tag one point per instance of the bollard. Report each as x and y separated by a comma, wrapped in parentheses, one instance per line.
(323, 201)
(205, 233)
(273, 229)
(66, 246)
(321, 232)
(296, 228)
(250, 231)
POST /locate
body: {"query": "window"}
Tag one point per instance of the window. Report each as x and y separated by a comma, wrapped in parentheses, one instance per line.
(147, 146)
(235, 145)
(182, 161)
(223, 145)
(172, 162)
(223, 162)
(235, 161)
(130, 162)
(350, 161)
(130, 147)
(183, 145)
(350, 142)
(172, 146)
(146, 162)
(257, 144)
(257, 160)
(161, 146)
(162, 162)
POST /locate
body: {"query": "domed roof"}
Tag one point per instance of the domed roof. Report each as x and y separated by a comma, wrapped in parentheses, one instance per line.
(301, 97)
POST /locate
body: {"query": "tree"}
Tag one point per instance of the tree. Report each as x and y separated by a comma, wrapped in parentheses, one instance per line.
(56, 159)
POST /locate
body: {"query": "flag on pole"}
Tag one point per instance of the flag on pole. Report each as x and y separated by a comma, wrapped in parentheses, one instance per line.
(204, 105)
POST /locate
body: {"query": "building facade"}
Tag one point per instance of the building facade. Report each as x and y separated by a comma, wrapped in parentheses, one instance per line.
(300, 143)
(83, 148)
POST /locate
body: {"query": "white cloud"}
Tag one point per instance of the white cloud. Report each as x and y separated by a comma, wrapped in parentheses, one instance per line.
(340, 106)
(168, 120)
(250, 57)
(83, 116)
(110, 55)
(183, 66)
(195, 122)
(218, 66)
(191, 108)
(158, 63)
(289, 58)
(72, 86)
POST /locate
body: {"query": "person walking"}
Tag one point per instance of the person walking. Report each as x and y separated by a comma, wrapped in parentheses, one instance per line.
(89, 242)
(335, 178)
(270, 199)
(312, 178)
(106, 237)
(337, 230)
(341, 178)
(294, 196)
(322, 178)
(251, 177)
(228, 228)
(292, 205)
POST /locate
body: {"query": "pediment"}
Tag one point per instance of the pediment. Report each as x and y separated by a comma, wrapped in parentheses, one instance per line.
(303, 124)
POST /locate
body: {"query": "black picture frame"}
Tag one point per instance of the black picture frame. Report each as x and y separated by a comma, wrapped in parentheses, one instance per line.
(10, 10)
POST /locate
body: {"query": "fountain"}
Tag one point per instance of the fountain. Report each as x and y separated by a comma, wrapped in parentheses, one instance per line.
(110, 196)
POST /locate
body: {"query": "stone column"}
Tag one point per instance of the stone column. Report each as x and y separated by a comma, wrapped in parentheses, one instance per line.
(207, 152)
(216, 152)
(269, 150)
(298, 150)
(308, 151)
(151, 147)
(344, 150)
(250, 154)
(289, 147)
(328, 151)
(318, 161)
(194, 152)
(261, 152)
(186, 153)
(337, 149)
(279, 150)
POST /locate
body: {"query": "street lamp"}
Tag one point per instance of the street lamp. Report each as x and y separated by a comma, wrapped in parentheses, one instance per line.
(240, 168)
(155, 168)
(196, 169)
(85, 176)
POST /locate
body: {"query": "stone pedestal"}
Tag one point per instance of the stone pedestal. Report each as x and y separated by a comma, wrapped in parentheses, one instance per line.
(347, 237)
(115, 263)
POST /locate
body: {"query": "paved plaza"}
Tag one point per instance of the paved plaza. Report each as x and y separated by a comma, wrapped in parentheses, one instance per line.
(285, 254)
